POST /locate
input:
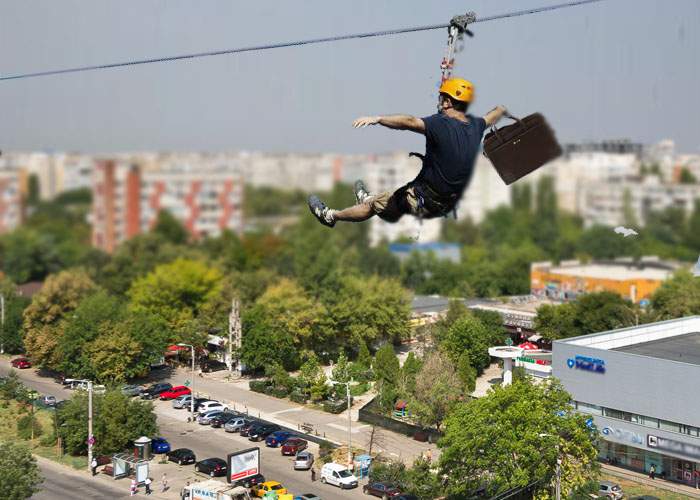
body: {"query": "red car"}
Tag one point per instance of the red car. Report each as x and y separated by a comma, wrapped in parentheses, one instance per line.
(292, 446)
(175, 392)
(21, 363)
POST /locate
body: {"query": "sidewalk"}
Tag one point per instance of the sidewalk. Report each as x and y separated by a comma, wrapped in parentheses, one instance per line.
(284, 412)
(661, 484)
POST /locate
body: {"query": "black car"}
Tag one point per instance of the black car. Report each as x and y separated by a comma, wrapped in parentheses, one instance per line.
(220, 420)
(212, 365)
(197, 403)
(245, 430)
(155, 390)
(212, 466)
(182, 456)
(260, 432)
(250, 481)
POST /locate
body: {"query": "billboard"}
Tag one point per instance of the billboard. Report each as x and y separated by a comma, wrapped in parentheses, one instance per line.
(243, 464)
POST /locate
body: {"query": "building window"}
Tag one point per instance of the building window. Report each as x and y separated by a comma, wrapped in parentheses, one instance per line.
(620, 415)
(589, 408)
(669, 426)
(646, 421)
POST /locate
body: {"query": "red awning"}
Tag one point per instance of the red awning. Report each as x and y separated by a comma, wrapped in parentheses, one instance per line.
(529, 346)
(175, 348)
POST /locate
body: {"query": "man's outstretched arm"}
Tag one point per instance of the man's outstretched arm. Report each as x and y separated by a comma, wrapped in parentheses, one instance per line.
(397, 122)
(495, 114)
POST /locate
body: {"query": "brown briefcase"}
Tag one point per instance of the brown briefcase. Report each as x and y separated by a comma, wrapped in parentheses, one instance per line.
(518, 149)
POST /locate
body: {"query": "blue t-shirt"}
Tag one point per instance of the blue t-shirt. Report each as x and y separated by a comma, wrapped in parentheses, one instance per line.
(451, 147)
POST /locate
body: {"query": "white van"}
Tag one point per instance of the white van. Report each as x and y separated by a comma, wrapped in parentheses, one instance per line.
(338, 475)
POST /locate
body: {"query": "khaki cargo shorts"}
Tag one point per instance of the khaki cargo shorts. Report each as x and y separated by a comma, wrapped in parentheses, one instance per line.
(391, 207)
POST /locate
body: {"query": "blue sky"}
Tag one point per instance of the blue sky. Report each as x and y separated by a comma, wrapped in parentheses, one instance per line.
(615, 69)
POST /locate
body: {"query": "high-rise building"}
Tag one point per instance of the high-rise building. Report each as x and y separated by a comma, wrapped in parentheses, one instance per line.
(127, 199)
(10, 200)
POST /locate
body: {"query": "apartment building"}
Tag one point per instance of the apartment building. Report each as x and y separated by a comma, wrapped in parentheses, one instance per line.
(127, 198)
(10, 200)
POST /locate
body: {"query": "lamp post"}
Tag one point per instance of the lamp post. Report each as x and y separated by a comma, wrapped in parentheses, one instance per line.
(347, 388)
(191, 388)
(557, 470)
(2, 323)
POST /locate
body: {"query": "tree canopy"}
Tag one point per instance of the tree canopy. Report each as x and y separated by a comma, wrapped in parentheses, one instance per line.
(19, 473)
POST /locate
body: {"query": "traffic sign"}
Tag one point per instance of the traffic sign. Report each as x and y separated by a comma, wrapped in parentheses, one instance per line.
(91, 440)
(187, 383)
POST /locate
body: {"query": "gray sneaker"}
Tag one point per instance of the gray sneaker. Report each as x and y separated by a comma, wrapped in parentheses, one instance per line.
(321, 211)
(361, 193)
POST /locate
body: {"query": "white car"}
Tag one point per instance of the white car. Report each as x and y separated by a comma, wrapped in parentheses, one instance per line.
(208, 406)
(338, 475)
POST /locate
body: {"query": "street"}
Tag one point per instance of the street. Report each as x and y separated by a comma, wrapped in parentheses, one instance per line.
(59, 485)
(205, 441)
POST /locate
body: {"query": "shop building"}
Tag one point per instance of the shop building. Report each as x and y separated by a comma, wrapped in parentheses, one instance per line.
(639, 385)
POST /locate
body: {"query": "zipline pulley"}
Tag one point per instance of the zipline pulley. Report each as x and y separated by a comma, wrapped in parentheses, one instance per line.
(455, 33)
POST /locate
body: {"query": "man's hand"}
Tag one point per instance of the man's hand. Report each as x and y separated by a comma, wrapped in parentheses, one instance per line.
(495, 114)
(366, 120)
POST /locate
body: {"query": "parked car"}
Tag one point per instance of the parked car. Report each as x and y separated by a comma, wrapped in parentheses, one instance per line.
(207, 406)
(212, 466)
(263, 488)
(175, 392)
(131, 390)
(182, 456)
(277, 438)
(304, 460)
(205, 418)
(406, 497)
(381, 489)
(338, 475)
(99, 389)
(645, 497)
(82, 385)
(155, 390)
(222, 419)
(21, 363)
(212, 365)
(307, 496)
(610, 490)
(245, 430)
(260, 432)
(68, 382)
(197, 403)
(181, 401)
(48, 400)
(236, 424)
(293, 446)
(160, 445)
(250, 481)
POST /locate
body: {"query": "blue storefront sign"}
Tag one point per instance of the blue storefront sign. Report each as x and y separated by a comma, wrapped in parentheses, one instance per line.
(586, 363)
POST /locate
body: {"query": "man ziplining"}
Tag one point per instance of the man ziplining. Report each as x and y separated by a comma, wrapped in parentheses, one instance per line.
(452, 140)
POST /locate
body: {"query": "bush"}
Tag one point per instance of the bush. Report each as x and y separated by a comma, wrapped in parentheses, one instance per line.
(259, 385)
(359, 389)
(279, 392)
(24, 427)
(335, 405)
(48, 440)
(298, 396)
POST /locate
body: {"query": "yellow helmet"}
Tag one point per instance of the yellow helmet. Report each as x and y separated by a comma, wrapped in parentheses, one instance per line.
(458, 88)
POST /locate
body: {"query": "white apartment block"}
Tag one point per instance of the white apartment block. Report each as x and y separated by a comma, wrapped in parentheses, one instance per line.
(10, 200)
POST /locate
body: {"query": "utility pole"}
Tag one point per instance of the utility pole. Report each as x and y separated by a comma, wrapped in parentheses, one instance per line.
(91, 439)
(234, 337)
(347, 388)
(191, 383)
(557, 486)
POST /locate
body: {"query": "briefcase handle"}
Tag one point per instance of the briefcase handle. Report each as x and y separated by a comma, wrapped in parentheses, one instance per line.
(494, 129)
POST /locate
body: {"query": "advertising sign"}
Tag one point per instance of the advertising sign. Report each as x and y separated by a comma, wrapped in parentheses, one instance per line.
(243, 464)
(673, 446)
(622, 435)
(586, 363)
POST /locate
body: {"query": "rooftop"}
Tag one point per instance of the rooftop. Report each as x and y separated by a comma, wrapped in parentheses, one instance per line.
(683, 348)
(619, 272)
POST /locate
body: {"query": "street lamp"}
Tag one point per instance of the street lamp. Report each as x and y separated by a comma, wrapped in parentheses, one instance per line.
(192, 383)
(557, 472)
(347, 387)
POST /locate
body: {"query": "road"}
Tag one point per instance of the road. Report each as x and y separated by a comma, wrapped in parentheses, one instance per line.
(59, 485)
(205, 441)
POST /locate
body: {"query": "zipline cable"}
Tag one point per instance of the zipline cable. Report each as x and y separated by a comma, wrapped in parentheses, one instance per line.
(290, 44)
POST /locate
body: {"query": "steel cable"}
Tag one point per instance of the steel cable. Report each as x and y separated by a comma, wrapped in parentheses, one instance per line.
(297, 43)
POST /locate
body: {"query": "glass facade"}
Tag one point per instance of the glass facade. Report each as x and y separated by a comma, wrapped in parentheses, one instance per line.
(644, 420)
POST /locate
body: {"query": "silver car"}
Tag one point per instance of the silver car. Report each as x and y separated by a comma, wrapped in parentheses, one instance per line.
(304, 460)
(131, 390)
(610, 490)
(236, 424)
(182, 401)
(205, 418)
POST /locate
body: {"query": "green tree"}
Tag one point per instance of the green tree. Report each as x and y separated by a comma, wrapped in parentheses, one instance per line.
(676, 297)
(437, 389)
(176, 292)
(420, 480)
(466, 373)
(386, 370)
(43, 318)
(117, 422)
(19, 473)
(692, 234)
(469, 335)
(170, 228)
(629, 218)
(33, 190)
(12, 330)
(263, 344)
(687, 177)
(513, 436)
(409, 372)
(341, 370)
(556, 321)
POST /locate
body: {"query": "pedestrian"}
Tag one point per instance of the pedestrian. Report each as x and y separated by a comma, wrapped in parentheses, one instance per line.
(148, 482)
(452, 144)
(163, 483)
(696, 475)
(185, 491)
(132, 488)
(429, 455)
(652, 471)
(313, 474)
(93, 466)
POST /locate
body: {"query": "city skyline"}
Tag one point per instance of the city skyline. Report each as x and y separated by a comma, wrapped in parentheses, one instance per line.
(618, 75)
